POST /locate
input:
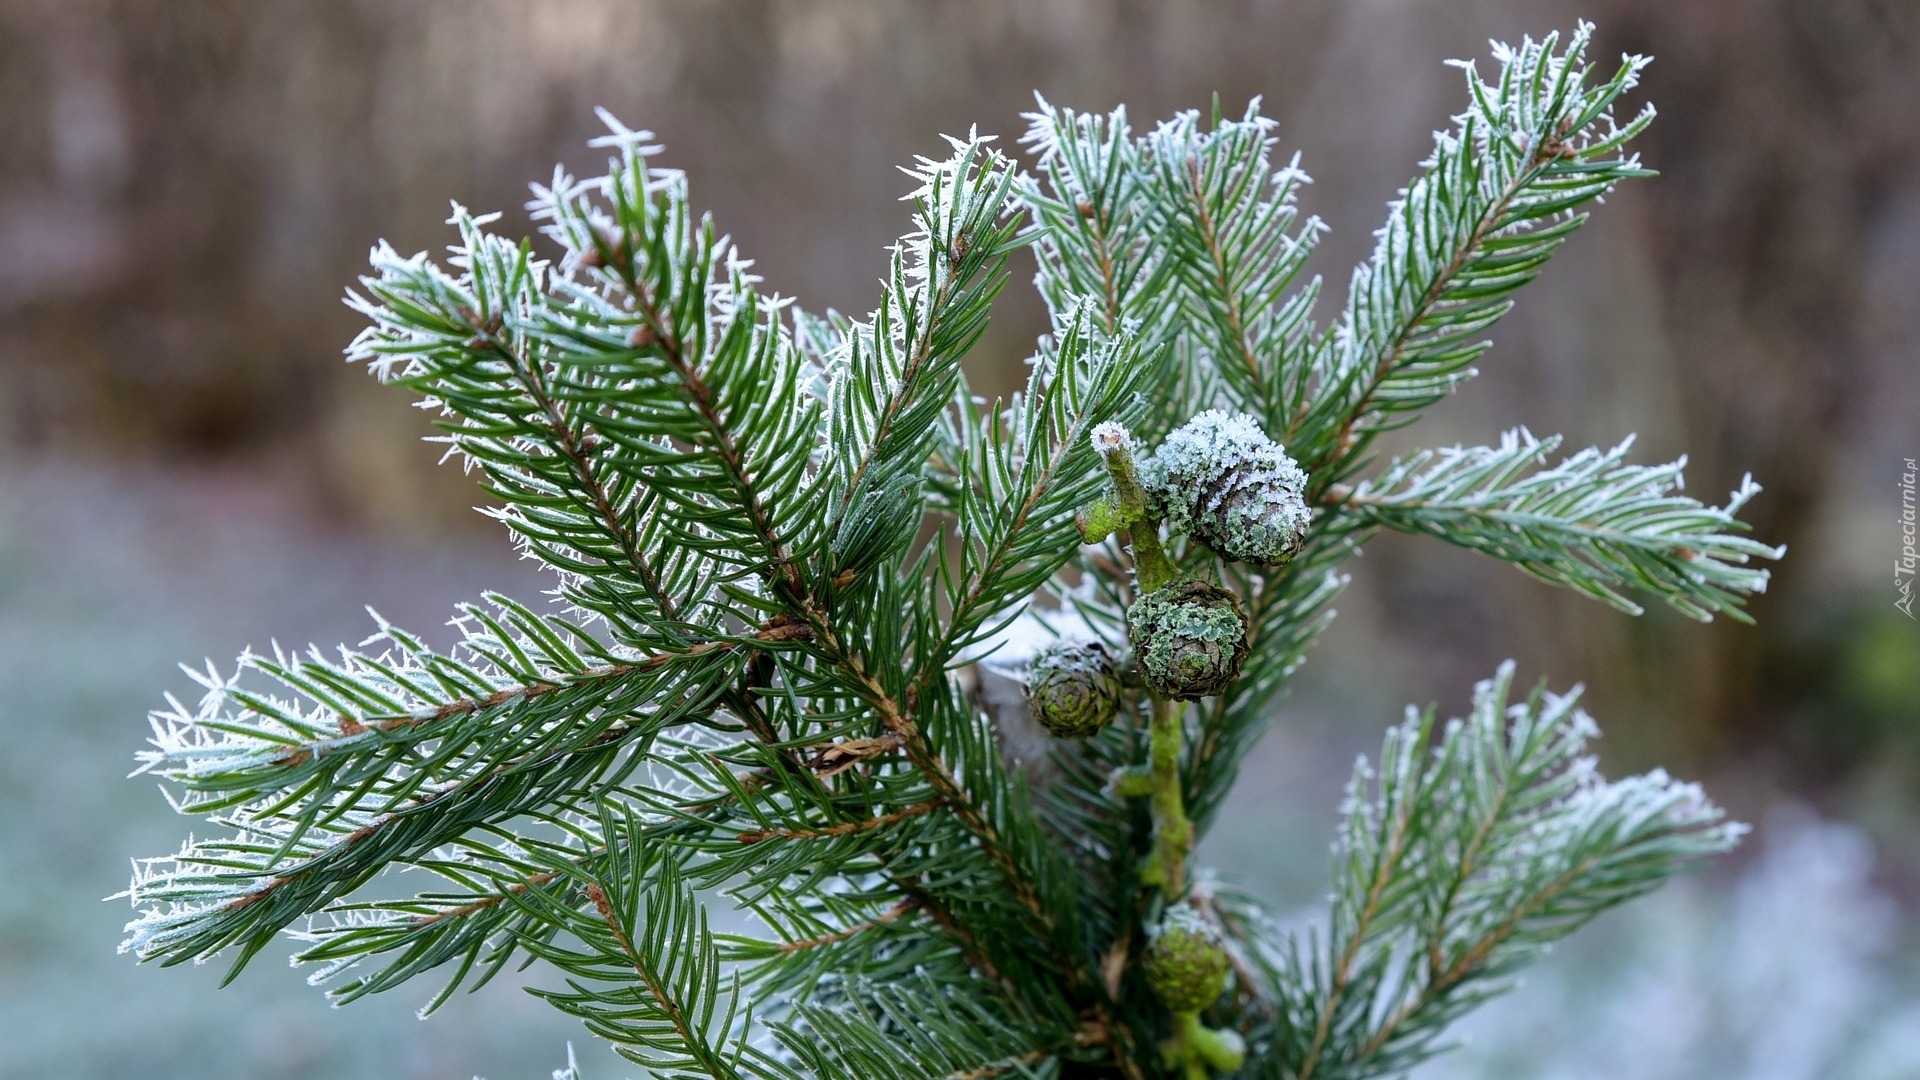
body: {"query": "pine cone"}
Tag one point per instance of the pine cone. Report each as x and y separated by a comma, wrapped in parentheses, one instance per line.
(1221, 479)
(1187, 963)
(1190, 639)
(1073, 688)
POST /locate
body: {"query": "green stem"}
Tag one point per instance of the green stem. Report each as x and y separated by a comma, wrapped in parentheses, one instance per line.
(1172, 831)
(1194, 1047)
(1196, 1050)
(1151, 566)
(1131, 782)
(1153, 569)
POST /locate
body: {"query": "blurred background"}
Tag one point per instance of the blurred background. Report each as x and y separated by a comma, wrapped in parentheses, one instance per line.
(187, 467)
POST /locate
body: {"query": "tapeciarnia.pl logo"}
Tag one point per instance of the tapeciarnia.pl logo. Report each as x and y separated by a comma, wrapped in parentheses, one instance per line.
(1904, 566)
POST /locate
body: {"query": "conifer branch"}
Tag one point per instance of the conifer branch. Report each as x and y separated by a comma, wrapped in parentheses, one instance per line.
(1471, 849)
(952, 794)
(383, 763)
(912, 1030)
(1497, 198)
(1093, 221)
(570, 445)
(897, 373)
(1229, 217)
(956, 247)
(1026, 469)
(645, 973)
(844, 828)
(904, 907)
(1592, 522)
(778, 538)
(638, 247)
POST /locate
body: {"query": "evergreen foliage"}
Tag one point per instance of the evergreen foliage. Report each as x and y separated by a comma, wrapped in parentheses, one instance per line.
(780, 540)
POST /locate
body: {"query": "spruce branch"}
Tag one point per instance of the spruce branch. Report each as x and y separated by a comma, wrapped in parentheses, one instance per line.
(898, 372)
(887, 390)
(383, 758)
(693, 310)
(781, 539)
(1592, 522)
(644, 972)
(1229, 231)
(881, 383)
(1464, 853)
(1026, 469)
(1498, 196)
(915, 1029)
(1092, 221)
(481, 346)
(476, 925)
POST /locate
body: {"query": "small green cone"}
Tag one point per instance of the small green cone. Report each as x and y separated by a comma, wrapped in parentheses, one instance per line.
(1190, 638)
(1073, 688)
(1187, 964)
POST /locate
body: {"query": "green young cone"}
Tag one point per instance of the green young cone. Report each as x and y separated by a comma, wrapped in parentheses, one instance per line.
(1073, 688)
(1190, 637)
(1187, 964)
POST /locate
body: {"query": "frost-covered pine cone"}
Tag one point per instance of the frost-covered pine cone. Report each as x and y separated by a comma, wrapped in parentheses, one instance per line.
(1190, 639)
(1221, 479)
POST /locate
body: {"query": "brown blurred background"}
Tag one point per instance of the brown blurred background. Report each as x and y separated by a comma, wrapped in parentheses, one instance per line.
(187, 187)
